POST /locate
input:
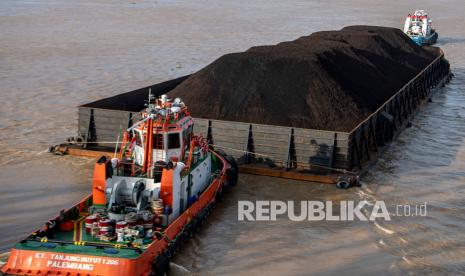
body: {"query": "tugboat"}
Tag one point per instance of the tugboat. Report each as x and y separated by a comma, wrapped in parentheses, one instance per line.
(146, 201)
(419, 28)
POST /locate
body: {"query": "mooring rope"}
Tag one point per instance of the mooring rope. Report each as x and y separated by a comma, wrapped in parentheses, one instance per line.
(245, 152)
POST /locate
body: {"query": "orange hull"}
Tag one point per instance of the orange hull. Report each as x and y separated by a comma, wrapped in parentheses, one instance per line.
(28, 262)
(24, 262)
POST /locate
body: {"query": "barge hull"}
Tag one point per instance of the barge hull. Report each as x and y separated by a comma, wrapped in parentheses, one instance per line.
(313, 151)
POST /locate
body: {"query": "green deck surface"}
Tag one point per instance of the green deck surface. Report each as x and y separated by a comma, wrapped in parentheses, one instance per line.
(77, 249)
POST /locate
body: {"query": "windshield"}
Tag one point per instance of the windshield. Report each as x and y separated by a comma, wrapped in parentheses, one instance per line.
(173, 141)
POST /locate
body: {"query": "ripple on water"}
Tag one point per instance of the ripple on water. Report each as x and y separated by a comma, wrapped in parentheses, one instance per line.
(56, 55)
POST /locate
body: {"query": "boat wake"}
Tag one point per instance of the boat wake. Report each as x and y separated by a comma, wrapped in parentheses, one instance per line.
(176, 269)
(384, 229)
(3, 258)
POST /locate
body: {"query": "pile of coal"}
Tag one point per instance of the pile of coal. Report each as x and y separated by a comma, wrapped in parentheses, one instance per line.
(330, 80)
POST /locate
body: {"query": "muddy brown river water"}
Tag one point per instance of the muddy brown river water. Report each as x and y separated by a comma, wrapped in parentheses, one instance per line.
(55, 55)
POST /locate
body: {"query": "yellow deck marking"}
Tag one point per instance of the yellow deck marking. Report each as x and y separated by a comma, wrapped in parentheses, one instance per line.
(78, 223)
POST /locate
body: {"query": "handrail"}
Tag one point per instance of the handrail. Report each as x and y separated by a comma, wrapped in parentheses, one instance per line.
(398, 92)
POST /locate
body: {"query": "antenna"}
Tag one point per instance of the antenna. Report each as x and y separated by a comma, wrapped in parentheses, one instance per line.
(117, 142)
(150, 106)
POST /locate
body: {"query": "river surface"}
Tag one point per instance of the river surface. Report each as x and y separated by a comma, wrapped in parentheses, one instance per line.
(55, 55)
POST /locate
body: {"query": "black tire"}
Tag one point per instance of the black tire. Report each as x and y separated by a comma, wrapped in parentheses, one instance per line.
(219, 195)
(343, 184)
(231, 177)
(79, 141)
(188, 231)
(171, 251)
(232, 161)
(161, 266)
(168, 253)
(198, 228)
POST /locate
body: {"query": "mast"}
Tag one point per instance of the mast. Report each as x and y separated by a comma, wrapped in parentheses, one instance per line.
(148, 152)
(148, 147)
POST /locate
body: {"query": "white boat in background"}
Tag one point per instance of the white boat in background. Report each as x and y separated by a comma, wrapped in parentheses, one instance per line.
(419, 28)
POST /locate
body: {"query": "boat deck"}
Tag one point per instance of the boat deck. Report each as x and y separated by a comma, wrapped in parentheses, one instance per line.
(79, 234)
(79, 242)
(76, 249)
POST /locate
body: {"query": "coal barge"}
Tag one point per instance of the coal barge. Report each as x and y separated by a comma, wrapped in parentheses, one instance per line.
(320, 108)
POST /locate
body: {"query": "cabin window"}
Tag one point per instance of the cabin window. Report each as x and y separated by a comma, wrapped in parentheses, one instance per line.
(187, 136)
(158, 141)
(189, 133)
(138, 139)
(173, 141)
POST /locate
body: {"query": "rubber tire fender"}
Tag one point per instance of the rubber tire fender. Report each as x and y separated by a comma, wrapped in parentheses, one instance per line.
(232, 161)
(161, 266)
(218, 196)
(231, 177)
(343, 184)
